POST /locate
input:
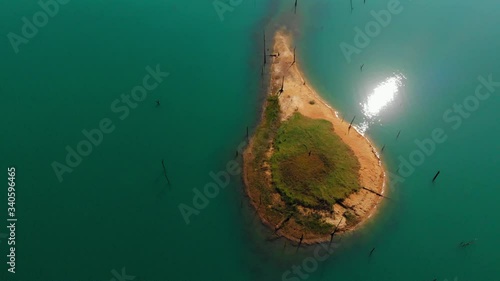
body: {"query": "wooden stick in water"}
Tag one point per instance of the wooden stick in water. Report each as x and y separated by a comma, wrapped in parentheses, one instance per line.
(435, 177)
(371, 252)
(350, 125)
(335, 230)
(165, 171)
(300, 242)
(265, 60)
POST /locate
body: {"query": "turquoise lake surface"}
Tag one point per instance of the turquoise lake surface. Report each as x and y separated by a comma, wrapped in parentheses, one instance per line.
(113, 216)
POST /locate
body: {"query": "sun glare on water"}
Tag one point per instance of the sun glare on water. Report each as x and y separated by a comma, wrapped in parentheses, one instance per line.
(382, 95)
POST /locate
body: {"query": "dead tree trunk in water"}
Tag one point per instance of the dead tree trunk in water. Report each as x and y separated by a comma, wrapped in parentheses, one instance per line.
(293, 56)
(335, 230)
(165, 171)
(295, 9)
(467, 244)
(350, 125)
(265, 59)
(435, 177)
(371, 252)
(300, 242)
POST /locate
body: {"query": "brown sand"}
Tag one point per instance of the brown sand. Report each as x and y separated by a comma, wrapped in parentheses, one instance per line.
(297, 96)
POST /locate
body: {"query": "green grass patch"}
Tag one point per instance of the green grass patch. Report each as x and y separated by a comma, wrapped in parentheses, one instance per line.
(263, 136)
(311, 165)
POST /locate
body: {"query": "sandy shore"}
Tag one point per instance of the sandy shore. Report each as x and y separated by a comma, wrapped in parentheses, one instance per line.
(297, 96)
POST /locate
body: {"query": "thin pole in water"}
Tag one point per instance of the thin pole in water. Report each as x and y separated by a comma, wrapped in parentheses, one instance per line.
(335, 230)
(165, 171)
(300, 242)
(435, 177)
(265, 60)
(350, 125)
(371, 252)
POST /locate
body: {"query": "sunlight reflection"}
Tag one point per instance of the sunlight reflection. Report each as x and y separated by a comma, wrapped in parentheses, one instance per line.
(382, 96)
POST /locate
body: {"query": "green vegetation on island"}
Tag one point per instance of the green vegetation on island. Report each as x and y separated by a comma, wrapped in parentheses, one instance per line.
(311, 165)
(297, 170)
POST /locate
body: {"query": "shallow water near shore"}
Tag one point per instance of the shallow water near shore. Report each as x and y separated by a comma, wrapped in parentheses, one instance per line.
(115, 210)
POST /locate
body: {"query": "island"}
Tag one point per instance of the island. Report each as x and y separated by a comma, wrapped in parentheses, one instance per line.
(308, 173)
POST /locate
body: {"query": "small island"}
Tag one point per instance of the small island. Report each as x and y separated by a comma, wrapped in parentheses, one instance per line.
(307, 172)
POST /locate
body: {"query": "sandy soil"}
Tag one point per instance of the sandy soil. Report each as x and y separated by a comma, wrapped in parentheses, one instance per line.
(297, 95)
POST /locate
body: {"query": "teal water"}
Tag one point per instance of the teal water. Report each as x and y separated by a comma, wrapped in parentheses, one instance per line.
(115, 209)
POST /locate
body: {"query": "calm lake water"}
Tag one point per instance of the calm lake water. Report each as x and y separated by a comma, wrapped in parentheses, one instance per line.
(114, 213)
